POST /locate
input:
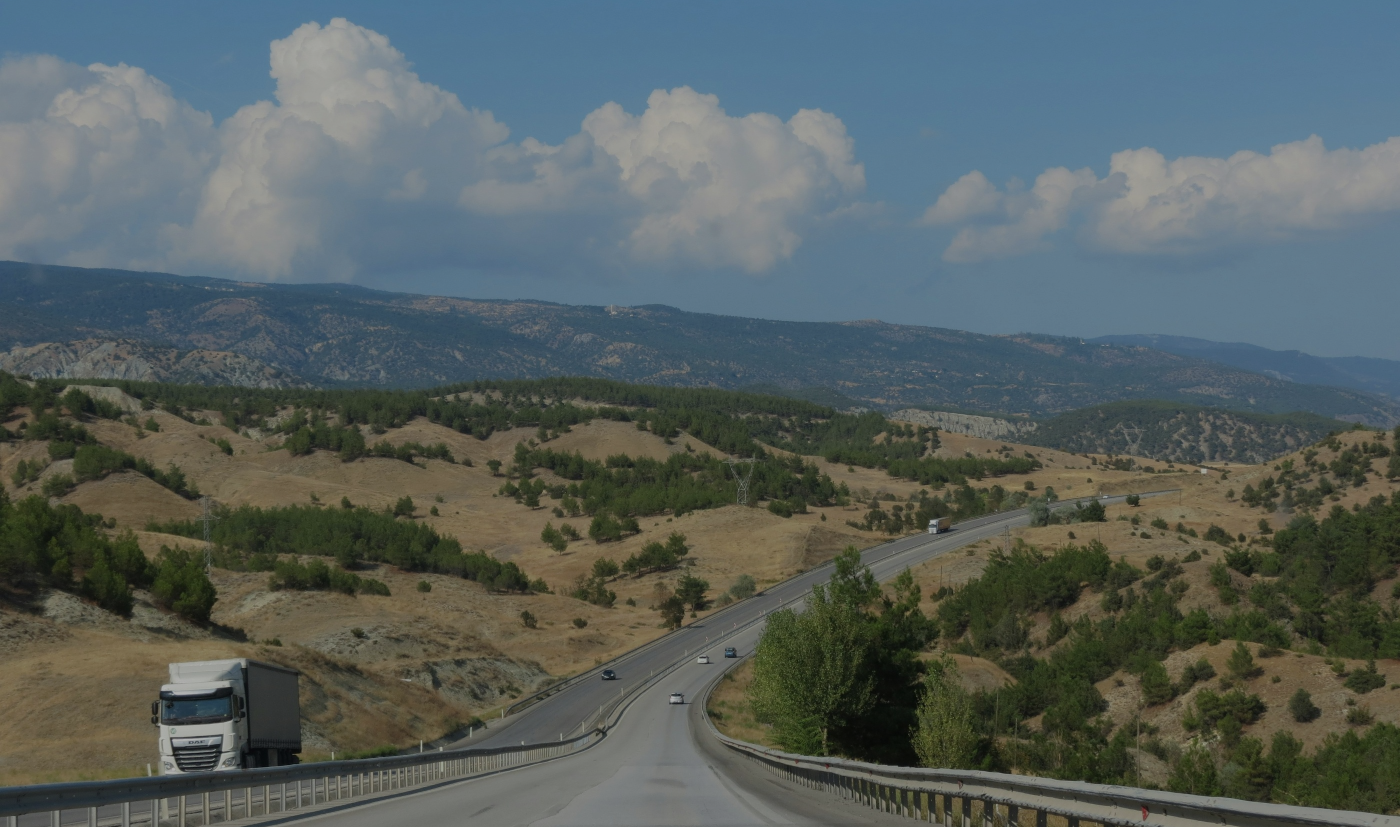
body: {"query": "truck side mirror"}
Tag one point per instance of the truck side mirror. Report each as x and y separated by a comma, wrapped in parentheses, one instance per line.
(155, 720)
(155, 708)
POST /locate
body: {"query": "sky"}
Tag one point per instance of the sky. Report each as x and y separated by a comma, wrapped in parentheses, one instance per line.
(1228, 171)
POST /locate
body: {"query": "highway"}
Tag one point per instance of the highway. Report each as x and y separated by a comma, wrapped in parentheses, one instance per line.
(658, 765)
(563, 713)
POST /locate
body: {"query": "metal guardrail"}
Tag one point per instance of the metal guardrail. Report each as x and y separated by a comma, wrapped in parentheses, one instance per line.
(206, 798)
(965, 797)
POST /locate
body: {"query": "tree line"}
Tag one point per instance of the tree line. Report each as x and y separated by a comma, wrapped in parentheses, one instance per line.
(352, 535)
(60, 547)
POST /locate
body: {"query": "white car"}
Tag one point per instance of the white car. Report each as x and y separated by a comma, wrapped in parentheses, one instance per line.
(677, 698)
(703, 659)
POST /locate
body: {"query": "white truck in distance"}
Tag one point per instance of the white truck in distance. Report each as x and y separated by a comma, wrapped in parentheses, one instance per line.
(218, 715)
(940, 525)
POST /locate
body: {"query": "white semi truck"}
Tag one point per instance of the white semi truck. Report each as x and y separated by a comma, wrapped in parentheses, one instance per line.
(218, 715)
(940, 525)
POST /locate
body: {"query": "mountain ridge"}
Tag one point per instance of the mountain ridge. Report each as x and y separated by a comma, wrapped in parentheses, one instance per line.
(1363, 373)
(339, 335)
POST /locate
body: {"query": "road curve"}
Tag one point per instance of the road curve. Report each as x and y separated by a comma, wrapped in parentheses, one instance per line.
(658, 765)
(563, 713)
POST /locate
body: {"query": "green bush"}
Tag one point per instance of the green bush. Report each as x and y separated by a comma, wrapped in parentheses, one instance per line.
(182, 586)
(1302, 708)
(744, 587)
(315, 575)
(1362, 681)
(57, 485)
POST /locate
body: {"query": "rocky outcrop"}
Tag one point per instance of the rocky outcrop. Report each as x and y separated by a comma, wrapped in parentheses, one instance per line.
(986, 427)
(138, 361)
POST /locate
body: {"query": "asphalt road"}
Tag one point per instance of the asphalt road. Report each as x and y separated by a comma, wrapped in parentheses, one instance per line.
(564, 713)
(658, 765)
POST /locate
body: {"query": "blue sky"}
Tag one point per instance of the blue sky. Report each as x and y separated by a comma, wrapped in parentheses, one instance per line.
(927, 189)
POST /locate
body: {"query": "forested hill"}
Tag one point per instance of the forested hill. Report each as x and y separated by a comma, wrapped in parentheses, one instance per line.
(1178, 433)
(344, 335)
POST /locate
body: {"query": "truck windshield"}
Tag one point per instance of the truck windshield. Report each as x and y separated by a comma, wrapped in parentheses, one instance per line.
(196, 710)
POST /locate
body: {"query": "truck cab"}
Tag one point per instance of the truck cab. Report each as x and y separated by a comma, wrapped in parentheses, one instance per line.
(227, 715)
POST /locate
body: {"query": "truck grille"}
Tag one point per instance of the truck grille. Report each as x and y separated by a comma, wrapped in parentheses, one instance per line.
(202, 757)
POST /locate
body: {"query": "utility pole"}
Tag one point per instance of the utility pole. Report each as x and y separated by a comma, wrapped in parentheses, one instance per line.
(743, 480)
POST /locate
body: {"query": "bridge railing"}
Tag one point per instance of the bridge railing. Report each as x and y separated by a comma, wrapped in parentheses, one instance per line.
(207, 798)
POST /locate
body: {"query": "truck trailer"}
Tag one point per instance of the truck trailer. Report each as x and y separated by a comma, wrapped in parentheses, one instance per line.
(940, 525)
(220, 715)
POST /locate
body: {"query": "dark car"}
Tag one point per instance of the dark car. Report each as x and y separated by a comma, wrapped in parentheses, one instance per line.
(731, 652)
(609, 675)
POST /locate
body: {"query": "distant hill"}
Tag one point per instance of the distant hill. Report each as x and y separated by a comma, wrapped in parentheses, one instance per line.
(1188, 434)
(142, 362)
(1356, 372)
(342, 335)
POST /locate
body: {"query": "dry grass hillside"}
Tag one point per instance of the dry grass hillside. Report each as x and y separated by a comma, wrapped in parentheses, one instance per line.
(379, 670)
(1205, 500)
(416, 664)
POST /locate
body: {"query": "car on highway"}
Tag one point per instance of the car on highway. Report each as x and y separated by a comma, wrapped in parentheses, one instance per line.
(703, 659)
(677, 698)
(731, 652)
(609, 675)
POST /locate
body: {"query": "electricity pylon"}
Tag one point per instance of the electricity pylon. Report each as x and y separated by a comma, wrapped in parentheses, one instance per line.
(743, 480)
(208, 548)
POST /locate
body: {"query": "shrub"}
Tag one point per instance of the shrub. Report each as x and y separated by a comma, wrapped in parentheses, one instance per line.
(1159, 524)
(424, 586)
(579, 623)
(605, 568)
(528, 619)
(1194, 673)
(744, 587)
(1362, 681)
(1133, 500)
(1360, 716)
(1241, 663)
(57, 485)
(404, 507)
(1216, 534)
(1235, 705)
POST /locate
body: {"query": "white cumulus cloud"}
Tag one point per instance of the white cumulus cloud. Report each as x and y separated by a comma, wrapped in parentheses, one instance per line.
(96, 163)
(1147, 205)
(359, 165)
